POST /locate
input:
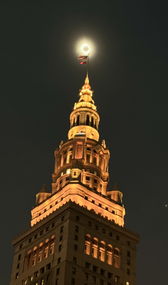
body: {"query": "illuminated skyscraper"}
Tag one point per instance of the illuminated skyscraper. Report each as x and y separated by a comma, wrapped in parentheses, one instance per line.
(77, 233)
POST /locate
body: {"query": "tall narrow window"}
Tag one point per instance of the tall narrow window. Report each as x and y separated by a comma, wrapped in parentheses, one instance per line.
(87, 120)
(46, 249)
(34, 256)
(116, 258)
(28, 259)
(77, 121)
(92, 122)
(95, 247)
(87, 244)
(40, 251)
(109, 254)
(52, 243)
(102, 251)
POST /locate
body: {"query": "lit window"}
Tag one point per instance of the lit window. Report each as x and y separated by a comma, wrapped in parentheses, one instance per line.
(68, 171)
(116, 258)
(95, 248)
(116, 279)
(17, 275)
(109, 254)
(52, 243)
(62, 173)
(102, 251)
(127, 283)
(87, 244)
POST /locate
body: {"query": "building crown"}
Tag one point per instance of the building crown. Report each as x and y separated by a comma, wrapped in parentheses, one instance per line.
(84, 119)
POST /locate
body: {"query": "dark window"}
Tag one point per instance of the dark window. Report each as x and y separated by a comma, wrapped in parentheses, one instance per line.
(89, 224)
(18, 265)
(61, 237)
(50, 206)
(100, 205)
(110, 234)
(30, 240)
(94, 279)
(128, 253)
(88, 148)
(47, 228)
(58, 271)
(35, 236)
(117, 238)
(36, 274)
(128, 262)
(48, 277)
(106, 208)
(76, 237)
(62, 219)
(103, 231)
(19, 257)
(108, 283)
(73, 270)
(86, 198)
(48, 266)
(128, 242)
(42, 270)
(101, 282)
(76, 229)
(59, 260)
(94, 188)
(74, 260)
(93, 201)
(56, 202)
(41, 233)
(53, 224)
(110, 275)
(96, 227)
(128, 271)
(60, 247)
(87, 265)
(113, 212)
(61, 181)
(102, 271)
(73, 281)
(77, 218)
(61, 229)
(74, 173)
(57, 281)
(86, 276)
(95, 181)
(75, 247)
(87, 178)
(95, 268)
(87, 120)
(67, 178)
(17, 275)
(20, 246)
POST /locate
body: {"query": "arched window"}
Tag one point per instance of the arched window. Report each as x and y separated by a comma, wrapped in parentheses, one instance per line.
(102, 251)
(46, 248)
(87, 120)
(52, 243)
(87, 244)
(109, 254)
(77, 121)
(116, 258)
(40, 252)
(34, 258)
(92, 122)
(95, 247)
(28, 259)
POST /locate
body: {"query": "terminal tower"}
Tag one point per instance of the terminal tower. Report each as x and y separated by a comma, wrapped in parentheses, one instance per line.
(77, 234)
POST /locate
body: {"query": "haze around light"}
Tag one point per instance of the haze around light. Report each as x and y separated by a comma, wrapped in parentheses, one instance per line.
(82, 42)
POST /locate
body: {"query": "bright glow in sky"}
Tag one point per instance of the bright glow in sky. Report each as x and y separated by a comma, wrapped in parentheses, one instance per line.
(85, 41)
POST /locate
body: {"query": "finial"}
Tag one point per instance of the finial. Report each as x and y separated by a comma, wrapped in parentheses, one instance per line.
(115, 186)
(43, 189)
(87, 79)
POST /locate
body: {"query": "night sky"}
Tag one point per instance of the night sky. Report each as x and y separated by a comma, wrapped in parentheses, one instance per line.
(40, 80)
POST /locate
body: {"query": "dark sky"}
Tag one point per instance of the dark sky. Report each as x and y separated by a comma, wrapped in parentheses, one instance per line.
(40, 79)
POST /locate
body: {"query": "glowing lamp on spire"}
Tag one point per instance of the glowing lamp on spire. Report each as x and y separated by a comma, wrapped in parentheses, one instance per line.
(85, 48)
